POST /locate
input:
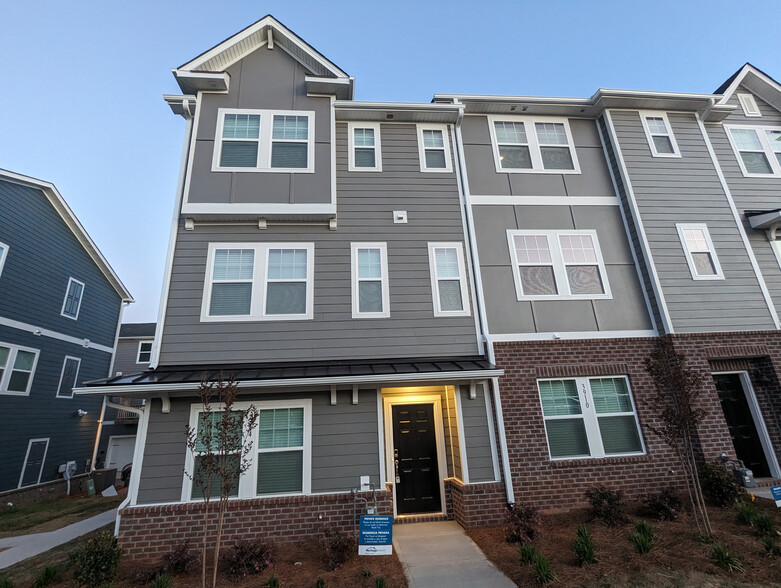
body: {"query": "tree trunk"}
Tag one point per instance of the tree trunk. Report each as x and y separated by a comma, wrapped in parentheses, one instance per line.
(203, 548)
(220, 517)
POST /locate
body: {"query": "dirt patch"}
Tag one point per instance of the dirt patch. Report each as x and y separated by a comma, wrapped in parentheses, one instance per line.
(677, 558)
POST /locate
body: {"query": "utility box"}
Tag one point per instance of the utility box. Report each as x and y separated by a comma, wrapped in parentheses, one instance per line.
(104, 478)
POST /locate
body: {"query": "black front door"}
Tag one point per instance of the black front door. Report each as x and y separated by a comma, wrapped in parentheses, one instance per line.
(415, 459)
(744, 433)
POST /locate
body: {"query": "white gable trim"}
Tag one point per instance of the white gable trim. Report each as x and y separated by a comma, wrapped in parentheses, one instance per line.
(739, 79)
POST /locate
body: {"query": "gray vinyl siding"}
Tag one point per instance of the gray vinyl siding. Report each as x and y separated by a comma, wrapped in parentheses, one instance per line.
(366, 202)
(751, 193)
(687, 190)
(453, 440)
(127, 355)
(479, 457)
(345, 444)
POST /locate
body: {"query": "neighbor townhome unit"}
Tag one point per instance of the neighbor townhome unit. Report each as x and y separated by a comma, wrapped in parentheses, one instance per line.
(453, 300)
(60, 307)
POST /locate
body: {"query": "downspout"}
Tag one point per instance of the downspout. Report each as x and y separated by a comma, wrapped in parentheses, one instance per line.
(481, 311)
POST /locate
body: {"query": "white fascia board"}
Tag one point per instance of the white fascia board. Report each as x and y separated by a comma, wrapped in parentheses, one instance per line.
(740, 78)
(257, 208)
(571, 336)
(205, 81)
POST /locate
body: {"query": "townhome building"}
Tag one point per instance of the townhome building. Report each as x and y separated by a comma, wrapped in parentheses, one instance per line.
(60, 307)
(451, 301)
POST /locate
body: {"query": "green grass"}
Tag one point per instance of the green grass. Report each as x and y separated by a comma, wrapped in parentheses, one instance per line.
(24, 520)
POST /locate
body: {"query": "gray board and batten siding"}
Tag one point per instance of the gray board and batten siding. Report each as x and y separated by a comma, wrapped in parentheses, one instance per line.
(479, 455)
(687, 190)
(751, 193)
(126, 357)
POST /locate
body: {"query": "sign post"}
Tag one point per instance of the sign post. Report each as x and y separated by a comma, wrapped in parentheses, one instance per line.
(776, 491)
(375, 535)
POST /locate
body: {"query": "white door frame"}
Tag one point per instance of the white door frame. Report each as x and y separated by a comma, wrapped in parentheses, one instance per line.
(759, 421)
(108, 451)
(27, 455)
(436, 400)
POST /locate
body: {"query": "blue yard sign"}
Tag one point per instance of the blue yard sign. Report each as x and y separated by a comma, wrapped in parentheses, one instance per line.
(375, 535)
(776, 491)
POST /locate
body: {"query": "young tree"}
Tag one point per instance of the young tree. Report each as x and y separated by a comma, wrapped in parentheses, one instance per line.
(221, 446)
(675, 404)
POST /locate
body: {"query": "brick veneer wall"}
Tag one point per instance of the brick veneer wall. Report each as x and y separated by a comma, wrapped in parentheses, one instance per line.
(478, 505)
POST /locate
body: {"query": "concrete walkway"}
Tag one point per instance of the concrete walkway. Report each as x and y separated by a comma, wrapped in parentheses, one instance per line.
(438, 555)
(19, 548)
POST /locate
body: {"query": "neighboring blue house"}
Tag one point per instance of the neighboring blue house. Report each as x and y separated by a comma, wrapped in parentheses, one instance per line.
(60, 309)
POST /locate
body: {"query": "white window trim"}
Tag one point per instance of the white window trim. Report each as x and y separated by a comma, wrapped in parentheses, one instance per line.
(65, 300)
(533, 143)
(438, 312)
(644, 115)
(422, 150)
(590, 416)
(248, 482)
(775, 166)
(681, 227)
(559, 267)
(9, 368)
(383, 247)
(26, 457)
(259, 283)
(3, 256)
(62, 375)
(264, 141)
(138, 352)
(377, 147)
(749, 105)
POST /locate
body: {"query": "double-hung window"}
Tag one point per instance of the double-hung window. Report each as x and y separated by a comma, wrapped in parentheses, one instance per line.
(365, 151)
(144, 352)
(434, 148)
(280, 464)
(264, 141)
(3, 255)
(758, 149)
(538, 144)
(68, 377)
(73, 295)
(208, 449)
(252, 281)
(448, 279)
(699, 251)
(17, 366)
(370, 294)
(589, 417)
(659, 134)
(558, 264)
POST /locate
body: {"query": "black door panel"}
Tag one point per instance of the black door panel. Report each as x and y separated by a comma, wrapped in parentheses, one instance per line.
(415, 459)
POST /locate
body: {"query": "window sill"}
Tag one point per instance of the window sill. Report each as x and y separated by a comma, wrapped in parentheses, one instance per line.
(598, 461)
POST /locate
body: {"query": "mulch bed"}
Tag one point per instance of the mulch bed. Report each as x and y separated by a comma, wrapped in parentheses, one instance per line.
(677, 558)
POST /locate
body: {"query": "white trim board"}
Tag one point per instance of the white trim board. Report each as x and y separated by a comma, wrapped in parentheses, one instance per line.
(571, 335)
(498, 199)
(86, 343)
(27, 455)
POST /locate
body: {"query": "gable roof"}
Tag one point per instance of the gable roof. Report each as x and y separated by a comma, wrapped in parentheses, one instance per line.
(755, 80)
(137, 330)
(59, 204)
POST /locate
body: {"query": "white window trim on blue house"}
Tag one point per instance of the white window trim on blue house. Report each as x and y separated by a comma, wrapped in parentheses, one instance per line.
(68, 393)
(75, 316)
(8, 368)
(3, 255)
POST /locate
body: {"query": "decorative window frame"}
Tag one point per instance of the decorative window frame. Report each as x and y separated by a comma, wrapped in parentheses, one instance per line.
(438, 312)
(681, 227)
(27, 456)
(9, 368)
(533, 143)
(383, 247)
(149, 342)
(422, 150)
(65, 300)
(749, 105)
(590, 416)
(3, 255)
(62, 375)
(767, 149)
(644, 116)
(265, 141)
(559, 266)
(259, 283)
(351, 127)
(248, 481)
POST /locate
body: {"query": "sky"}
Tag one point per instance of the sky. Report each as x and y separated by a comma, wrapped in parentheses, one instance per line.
(81, 101)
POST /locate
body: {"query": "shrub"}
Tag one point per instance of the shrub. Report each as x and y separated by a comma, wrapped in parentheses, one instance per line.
(643, 537)
(747, 513)
(380, 582)
(96, 563)
(662, 506)
(645, 529)
(721, 556)
(337, 547)
(584, 546)
(49, 576)
(606, 505)
(162, 581)
(771, 549)
(527, 552)
(718, 484)
(247, 557)
(273, 582)
(542, 571)
(179, 560)
(522, 523)
(764, 525)
(6, 582)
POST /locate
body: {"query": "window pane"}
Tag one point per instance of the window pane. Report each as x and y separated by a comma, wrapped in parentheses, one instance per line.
(551, 133)
(280, 472)
(756, 163)
(746, 139)
(512, 157)
(663, 144)
(4, 353)
(556, 158)
(656, 125)
(18, 381)
(281, 427)
(559, 397)
(233, 264)
(433, 138)
(291, 128)
(369, 264)
(202, 479)
(24, 360)
(578, 249)
(610, 395)
(289, 155)
(364, 157)
(510, 132)
(450, 295)
(584, 279)
(364, 137)
(241, 126)
(703, 264)
(230, 299)
(435, 159)
(447, 263)
(619, 434)
(286, 298)
(369, 297)
(774, 137)
(287, 264)
(567, 438)
(695, 240)
(239, 154)
(532, 249)
(537, 280)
